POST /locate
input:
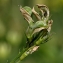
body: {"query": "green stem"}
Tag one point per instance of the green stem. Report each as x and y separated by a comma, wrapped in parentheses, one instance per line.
(23, 55)
(28, 51)
(17, 58)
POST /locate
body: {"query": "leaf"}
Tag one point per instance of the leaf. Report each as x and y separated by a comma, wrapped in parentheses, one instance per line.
(36, 14)
(39, 24)
(28, 9)
(44, 10)
(26, 13)
(50, 22)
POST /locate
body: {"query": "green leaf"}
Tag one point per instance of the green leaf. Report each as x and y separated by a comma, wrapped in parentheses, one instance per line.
(28, 9)
(26, 12)
(39, 24)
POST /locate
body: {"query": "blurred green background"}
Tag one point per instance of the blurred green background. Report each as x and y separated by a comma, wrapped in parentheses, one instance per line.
(13, 26)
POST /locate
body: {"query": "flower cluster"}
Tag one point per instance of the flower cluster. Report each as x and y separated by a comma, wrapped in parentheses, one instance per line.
(38, 32)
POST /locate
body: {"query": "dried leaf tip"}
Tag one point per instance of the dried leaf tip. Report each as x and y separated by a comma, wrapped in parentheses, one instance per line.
(36, 14)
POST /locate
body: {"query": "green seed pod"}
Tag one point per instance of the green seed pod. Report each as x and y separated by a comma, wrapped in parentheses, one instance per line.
(41, 40)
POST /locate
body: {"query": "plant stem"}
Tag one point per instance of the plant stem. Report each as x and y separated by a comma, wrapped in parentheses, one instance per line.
(23, 55)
